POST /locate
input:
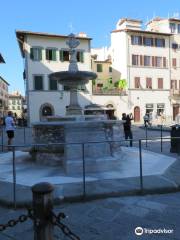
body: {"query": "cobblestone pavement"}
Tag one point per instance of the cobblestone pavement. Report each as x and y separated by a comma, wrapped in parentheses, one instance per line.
(110, 219)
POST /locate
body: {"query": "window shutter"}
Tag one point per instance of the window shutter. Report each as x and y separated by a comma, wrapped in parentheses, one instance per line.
(153, 61)
(54, 54)
(141, 60)
(47, 54)
(40, 54)
(61, 55)
(160, 83)
(81, 57)
(164, 62)
(31, 54)
(174, 62)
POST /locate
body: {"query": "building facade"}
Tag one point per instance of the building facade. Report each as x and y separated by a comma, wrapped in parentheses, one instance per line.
(16, 104)
(46, 53)
(3, 97)
(150, 62)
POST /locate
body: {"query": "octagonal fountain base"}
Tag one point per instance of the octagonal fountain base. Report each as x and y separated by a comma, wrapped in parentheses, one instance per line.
(83, 140)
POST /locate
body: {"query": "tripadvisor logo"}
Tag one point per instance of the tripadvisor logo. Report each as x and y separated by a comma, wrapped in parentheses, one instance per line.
(138, 231)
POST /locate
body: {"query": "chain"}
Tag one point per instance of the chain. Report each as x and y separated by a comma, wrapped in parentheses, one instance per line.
(13, 222)
(56, 220)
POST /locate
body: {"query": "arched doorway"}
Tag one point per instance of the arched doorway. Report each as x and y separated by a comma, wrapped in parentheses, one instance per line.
(137, 114)
(46, 110)
(110, 111)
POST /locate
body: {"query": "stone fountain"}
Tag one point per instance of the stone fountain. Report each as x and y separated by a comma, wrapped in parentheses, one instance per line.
(76, 128)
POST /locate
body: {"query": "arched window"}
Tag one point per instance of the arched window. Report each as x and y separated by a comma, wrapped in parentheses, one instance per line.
(46, 110)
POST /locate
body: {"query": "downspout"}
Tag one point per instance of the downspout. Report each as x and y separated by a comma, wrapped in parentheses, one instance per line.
(128, 72)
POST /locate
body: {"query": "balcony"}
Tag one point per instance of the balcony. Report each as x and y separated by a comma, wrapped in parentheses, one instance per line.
(175, 93)
(115, 91)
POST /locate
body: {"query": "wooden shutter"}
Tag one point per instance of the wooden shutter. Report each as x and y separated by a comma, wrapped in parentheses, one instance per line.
(141, 60)
(81, 57)
(137, 82)
(47, 54)
(148, 82)
(160, 83)
(174, 62)
(153, 61)
(40, 54)
(61, 55)
(54, 54)
(164, 62)
(31, 54)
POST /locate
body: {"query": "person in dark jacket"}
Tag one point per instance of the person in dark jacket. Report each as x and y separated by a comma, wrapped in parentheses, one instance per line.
(127, 127)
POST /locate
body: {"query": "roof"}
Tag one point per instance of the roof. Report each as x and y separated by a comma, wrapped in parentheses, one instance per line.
(174, 19)
(4, 80)
(121, 21)
(103, 61)
(1, 59)
(21, 37)
(141, 31)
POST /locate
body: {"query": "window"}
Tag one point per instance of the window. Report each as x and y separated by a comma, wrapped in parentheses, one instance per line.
(164, 62)
(110, 69)
(160, 83)
(174, 45)
(158, 62)
(38, 82)
(148, 41)
(174, 62)
(149, 83)
(52, 84)
(99, 67)
(51, 54)
(18, 108)
(159, 42)
(137, 82)
(173, 84)
(14, 102)
(136, 40)
(147, 61)
(13, 108)
(36, 53)
(135, 60)
(99, 85)
(178, 28)
(64, 55)
(80, 56)
(172, 27)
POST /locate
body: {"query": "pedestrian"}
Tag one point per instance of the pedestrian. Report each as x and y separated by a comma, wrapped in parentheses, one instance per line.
(10, 127)
(146, 119)
(127, 127)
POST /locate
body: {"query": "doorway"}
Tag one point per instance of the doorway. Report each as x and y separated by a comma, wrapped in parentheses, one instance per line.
(137, 114)
(175, 111)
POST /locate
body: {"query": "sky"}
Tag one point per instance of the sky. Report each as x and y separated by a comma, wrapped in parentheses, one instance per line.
(97, 18)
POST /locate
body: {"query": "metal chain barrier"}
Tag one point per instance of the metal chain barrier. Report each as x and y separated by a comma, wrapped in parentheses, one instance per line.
(56, 220)
(13, 222)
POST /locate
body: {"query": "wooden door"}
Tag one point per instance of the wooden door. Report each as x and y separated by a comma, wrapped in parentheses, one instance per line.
(136, 114)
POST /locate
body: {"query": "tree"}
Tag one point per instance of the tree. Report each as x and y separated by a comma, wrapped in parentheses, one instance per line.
(121, 84)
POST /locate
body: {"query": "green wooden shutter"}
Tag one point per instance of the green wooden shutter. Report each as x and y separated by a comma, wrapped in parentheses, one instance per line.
(81, 57)
(40, 54)
(47, 54)
(31, 54)
(54, 54)
(61, 55)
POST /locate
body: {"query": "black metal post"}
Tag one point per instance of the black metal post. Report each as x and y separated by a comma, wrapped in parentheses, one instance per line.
(140, 165)
(2, 140)
(84, 172)
(43, 206)
(161, 138)
(14, 177)
(146, 136)
(24, 135)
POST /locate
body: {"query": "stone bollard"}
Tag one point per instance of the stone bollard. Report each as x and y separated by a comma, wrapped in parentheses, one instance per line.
(42, 206)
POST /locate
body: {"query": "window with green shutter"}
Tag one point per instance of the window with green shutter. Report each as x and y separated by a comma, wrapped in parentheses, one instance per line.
(38, 82)
(36, 53)
(110, 69)
(99, 67)
(64, 55)
(80, 56)
(52, 84)
(51, 54)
